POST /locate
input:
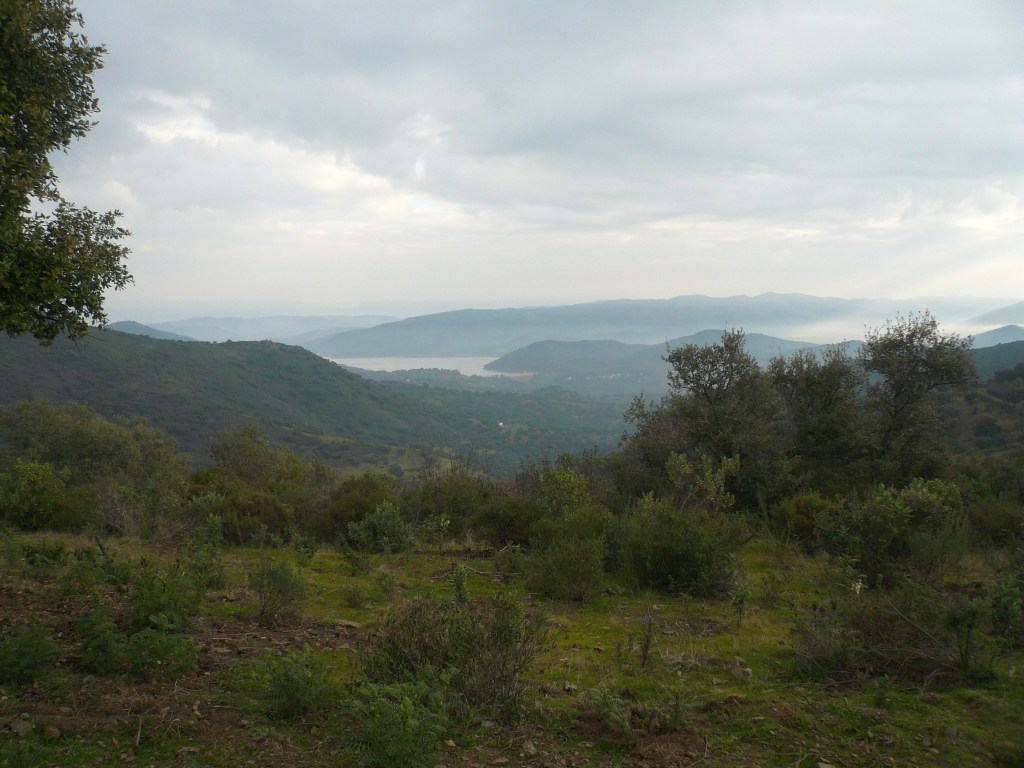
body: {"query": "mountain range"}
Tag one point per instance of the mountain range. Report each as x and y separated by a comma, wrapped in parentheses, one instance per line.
(497, 332)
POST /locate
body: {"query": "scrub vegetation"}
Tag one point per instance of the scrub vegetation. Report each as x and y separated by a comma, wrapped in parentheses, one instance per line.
(778, 566)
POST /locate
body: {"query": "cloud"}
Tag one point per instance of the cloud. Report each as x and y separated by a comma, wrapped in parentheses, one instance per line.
(521, 152)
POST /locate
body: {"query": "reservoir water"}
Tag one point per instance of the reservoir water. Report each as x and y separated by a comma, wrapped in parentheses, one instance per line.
(468, 366)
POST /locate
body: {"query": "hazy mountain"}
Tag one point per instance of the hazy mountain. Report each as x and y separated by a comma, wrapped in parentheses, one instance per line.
(274, 328)
(1003, 335)
(473, 332)
(1011, 315)
(138, 329)
(195, 389)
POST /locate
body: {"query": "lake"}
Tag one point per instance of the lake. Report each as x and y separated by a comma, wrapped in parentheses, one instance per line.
(468, 366)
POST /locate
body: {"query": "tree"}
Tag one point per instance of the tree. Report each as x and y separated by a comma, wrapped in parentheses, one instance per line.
(56, 259)
(908, 360)
(822, 399)
(726, 406)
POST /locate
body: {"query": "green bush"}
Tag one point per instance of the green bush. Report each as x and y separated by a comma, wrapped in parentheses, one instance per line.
(202, 554)
(353, 596)
(162, 599)
(486, 648)
(910, 632)
(26, 654)
(505, 520)
(154, 654)
(36, 496)
(382, 530)
(794, 518)
(297, 684)
(567, 562)
(570, 568)
(675, 550)
(102, 644)
(397, 725)
(870, 533)
(355, 497)
(279, 590)
(510, 560)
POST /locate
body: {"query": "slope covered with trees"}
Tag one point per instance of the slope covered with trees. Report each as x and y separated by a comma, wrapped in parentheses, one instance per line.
(195, 389)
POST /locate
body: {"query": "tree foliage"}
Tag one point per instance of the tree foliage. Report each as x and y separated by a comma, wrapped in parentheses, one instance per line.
(908, 360)
(56, 259)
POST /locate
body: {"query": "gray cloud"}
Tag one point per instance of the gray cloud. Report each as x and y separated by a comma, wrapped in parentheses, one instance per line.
(492, 152)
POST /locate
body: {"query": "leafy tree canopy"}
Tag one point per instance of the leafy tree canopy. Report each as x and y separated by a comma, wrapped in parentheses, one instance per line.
(56, 259)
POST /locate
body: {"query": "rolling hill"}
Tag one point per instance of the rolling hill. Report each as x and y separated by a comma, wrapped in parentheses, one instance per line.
(194, 389)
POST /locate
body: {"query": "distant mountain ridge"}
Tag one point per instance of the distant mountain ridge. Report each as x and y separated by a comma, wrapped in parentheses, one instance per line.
(138, 329)
(282, 328)
(497, 332)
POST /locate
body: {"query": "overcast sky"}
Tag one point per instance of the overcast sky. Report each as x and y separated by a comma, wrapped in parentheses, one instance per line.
(316, 156)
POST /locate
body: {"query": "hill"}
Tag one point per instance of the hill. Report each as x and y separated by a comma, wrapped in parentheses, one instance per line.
(613, 368)
(299, 399)
(1000, 357)
(138, 329)
(1003, 335)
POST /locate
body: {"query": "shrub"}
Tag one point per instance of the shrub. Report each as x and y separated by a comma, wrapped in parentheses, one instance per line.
(35, 496)
(279, 590)
(154, 654)
(570, 568)
(165, 600)
(794, 518)
(505, 520)
(569, 553)
(297, 684)
(911, 632)
(382, 530)
(353, 596)
(102, 644)
(870, 533)
(26, 654)
(202, 554)
(510, 560)
(397, 725)
(670, 549)
(44, 559)
(356, 497)
(487, 647)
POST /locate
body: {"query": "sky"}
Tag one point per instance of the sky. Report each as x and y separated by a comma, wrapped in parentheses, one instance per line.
(398, 156)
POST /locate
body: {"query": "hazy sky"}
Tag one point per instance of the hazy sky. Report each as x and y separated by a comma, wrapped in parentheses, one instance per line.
(327, 156)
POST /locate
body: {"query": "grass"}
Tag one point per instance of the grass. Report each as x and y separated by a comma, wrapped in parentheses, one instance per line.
(630, 679)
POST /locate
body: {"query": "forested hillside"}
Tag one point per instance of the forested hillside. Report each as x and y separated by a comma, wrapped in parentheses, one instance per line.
(194, 390)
